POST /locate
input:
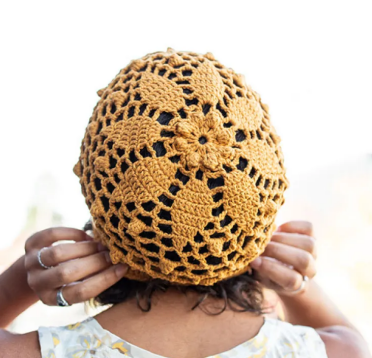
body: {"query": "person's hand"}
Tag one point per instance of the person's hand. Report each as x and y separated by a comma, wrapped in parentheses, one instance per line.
(287, 259)
(82, 266)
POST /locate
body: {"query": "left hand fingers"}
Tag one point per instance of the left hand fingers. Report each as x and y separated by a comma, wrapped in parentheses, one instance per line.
(71, 271)
(301, 260)
(300, 241)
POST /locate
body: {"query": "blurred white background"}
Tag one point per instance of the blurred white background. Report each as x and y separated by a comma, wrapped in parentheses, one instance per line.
(310, 61)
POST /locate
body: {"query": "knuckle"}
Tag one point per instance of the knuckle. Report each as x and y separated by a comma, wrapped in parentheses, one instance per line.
(62, 274)
(305, 260)
(28, 262)
(80, 294)
(311, 245)
(307, 227)
(32, 282)
(291, 282)
(55, 253)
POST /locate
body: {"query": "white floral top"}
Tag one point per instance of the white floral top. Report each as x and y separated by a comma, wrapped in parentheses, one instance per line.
(88, 339)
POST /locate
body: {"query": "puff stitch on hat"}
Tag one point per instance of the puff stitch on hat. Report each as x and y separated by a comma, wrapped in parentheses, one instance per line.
(181, 169)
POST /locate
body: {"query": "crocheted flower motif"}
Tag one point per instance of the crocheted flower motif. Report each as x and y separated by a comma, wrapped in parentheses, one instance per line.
(204, 140)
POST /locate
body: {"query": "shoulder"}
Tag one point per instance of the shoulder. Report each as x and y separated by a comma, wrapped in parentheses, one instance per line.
(343, 342)
(294, 340)
(19, 345)
(55, 341)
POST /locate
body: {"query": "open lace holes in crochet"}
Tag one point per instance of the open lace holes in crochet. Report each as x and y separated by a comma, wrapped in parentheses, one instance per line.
(215, 182)
(148, 234)
(172, 256)
(165, 200)
(206, 108)
(199, 174)
(142, 109)
(98, 184)
(187, 91)
(217, 235)
(124, 166)
(203, 250)
(222, 111)
(114, 221)
(247, 239)
(173, 189)
(165, 228)
(187, 248)
(167, 242)
(212, 260)
(209, 226)
(198, 238)
(193, 261)
(225, 221)
(151, 247)
(110, 187)
(190, 102)
(202, 140)
(186, 73)
(165, 133)
(145, 152)
(130, 206)
(199, 272)
(182, 177)
(228, 125)
(226, 168)
(105, 202)
(242, 164)
(132, 156)
(165, 215)
(145, 219)
(217, 211)
(159, 149)
(182, 113)
(149, 205)
(240, 135)
(218, 196)
(164, 118)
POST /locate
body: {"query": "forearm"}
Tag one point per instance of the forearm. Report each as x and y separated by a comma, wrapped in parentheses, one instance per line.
(15, 294)
(313, 308)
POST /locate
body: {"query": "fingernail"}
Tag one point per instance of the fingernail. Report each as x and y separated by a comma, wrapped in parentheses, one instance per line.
(121, 269)
(108, 258)
(256, 263)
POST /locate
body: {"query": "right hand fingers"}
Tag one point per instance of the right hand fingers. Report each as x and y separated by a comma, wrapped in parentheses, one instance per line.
(276, 276)
(68, 272)
(49, 236)
(55, 255)
(304, 242)
(300, 259)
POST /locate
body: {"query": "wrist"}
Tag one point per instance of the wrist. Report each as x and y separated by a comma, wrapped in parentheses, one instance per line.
(15, 294)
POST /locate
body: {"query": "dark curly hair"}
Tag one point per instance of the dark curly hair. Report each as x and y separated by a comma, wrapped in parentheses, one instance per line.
(241, 293)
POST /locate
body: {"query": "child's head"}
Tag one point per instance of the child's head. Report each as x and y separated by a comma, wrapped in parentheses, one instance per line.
(181, 170)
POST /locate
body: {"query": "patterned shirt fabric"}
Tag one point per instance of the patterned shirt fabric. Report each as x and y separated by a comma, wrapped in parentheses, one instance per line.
(87, 339)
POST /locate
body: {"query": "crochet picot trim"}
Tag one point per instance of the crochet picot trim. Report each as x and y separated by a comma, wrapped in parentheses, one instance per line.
(181, 169)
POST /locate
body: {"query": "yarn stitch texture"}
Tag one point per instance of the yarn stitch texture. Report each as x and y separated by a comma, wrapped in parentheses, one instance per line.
(181, 169)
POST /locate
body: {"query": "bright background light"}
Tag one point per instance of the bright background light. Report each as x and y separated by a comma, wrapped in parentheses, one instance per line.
(310, 61)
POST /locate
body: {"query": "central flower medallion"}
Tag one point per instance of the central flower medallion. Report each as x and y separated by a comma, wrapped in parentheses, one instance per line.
(204, 141)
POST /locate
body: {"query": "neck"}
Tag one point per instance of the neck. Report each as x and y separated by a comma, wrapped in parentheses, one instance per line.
(172, 312)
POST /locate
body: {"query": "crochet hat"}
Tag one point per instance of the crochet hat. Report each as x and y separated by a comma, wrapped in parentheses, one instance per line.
(181, 169)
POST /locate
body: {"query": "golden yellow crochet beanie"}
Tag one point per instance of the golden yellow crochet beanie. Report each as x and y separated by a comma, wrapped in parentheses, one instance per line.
(181, 169)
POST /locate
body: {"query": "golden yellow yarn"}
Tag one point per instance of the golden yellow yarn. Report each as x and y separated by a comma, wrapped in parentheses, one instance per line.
(181, 169)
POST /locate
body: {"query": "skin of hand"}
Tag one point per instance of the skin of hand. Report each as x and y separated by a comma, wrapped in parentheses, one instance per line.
(289, 256)
(81, 267)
